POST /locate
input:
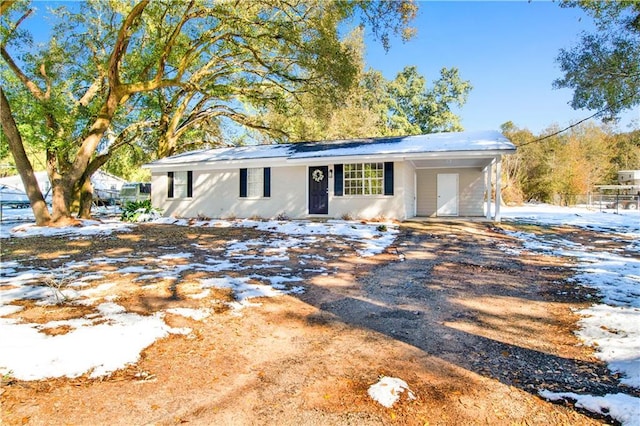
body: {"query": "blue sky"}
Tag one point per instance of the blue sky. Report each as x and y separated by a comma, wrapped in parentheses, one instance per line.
(507, 49)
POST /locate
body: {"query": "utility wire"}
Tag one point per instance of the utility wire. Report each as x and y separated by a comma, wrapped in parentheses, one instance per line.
(577, 123)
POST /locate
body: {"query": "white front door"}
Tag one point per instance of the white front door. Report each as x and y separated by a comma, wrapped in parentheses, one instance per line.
(447, 194)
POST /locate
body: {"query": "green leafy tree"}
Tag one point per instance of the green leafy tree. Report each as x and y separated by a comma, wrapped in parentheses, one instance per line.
(603, 69)
(413, 108)
(357, 111)
(379, 107)
(529, 170)
(171, 68)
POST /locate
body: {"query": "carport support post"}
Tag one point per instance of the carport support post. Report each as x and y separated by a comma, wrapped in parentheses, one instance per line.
(498, 188)
(487, 188)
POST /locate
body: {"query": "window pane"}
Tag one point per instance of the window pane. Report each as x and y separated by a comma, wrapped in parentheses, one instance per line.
(255, 182)
(180, 185)
(364, 179)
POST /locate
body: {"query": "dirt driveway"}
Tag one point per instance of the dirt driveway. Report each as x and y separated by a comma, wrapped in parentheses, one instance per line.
(474, 331)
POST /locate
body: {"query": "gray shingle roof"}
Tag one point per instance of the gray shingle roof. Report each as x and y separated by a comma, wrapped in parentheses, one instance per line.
(419, 144)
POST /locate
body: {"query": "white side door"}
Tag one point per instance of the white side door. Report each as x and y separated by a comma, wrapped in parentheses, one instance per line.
(447, 188)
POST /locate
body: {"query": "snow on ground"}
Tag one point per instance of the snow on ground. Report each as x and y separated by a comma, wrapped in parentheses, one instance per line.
(112, 338)
(370, 239)
(88, 228)
(612, 325)
(387, 391)
(109, 340)
(619, 406)
(625, 221)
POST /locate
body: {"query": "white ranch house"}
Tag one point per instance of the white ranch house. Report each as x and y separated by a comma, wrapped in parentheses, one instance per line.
(441, 174)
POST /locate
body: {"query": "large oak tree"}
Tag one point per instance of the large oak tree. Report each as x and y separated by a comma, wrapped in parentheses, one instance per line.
(603, 69)
(114, 70)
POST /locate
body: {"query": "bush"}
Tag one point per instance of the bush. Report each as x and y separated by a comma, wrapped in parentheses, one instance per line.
(138, 211)
(382, 228)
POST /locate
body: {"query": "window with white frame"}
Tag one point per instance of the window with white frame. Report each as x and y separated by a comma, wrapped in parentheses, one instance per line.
(364, 179)
(180, 184)
(255, 182)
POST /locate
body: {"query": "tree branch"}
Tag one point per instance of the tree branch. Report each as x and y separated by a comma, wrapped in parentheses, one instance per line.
(122, 43)
(4, 6)
(29, 84)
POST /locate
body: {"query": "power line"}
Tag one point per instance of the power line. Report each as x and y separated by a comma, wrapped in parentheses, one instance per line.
(577, 123)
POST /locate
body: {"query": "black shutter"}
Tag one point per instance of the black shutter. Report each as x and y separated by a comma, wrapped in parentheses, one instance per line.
(267, 182)
(189, 183)
(170, 185)
(338, 175)
(243, 183)
(388, 178)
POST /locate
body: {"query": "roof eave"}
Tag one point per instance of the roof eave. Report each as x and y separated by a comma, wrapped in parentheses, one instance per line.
(400, 156)
(213, 165)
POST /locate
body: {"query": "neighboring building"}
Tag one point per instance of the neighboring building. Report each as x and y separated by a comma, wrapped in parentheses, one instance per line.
(106, 187)
(134, 192)
(624, 195)
(12, 197)
(442, 174)
(629, 177)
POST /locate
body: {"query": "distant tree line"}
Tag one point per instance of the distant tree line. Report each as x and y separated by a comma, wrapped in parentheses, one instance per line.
(556, 169)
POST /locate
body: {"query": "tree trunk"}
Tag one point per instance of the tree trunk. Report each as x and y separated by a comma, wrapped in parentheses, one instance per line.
(86, 190)
(61, 202)
(166, 145)
(61, 192)
(14, 139)
(86, 199)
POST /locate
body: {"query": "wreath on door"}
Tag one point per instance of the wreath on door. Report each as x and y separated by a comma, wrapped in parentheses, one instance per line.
(317, 175)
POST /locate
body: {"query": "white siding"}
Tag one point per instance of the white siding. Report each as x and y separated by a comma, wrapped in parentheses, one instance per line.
(471, 191)
(368, 206)
(216, 194)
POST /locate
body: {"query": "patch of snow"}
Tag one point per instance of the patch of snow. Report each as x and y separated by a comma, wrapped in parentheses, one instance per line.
(615, 332)
(135, 270)
(387, 391)
(611, 327)
(174, 256)
(204, 293)
(621, 407)
(100, 347)
(242, 290)
(88, 228)
(147, 216)
(195, 314)
(277, 282)
(26, 292)
(9, 309)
